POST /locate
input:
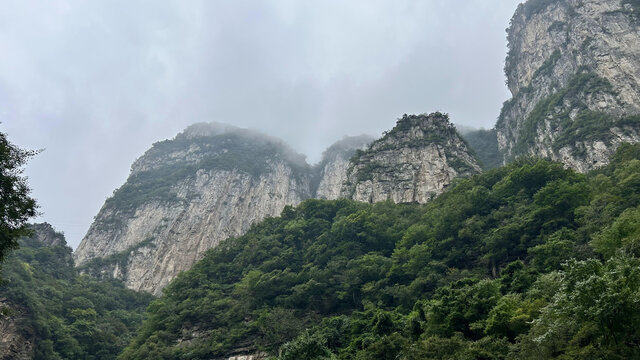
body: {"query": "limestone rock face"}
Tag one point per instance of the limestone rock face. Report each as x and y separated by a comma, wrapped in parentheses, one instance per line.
(46, 234)
(214, 181)
(413, 162)
(573, 70)
(332, 170)
(183, 197)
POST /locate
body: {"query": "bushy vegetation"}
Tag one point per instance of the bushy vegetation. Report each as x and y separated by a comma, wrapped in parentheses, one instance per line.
(485, 144)
(527, 261)
(70, 316)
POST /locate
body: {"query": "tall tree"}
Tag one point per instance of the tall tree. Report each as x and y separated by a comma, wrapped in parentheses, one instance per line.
(16, 204)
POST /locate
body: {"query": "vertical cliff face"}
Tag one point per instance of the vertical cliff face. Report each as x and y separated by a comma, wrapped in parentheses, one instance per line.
(573, 69)
(185, 195)
(413, 162)
(331, 172)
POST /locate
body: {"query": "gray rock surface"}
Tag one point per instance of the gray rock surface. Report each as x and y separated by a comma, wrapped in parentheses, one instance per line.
(226, 182)
(214, 181)
(413, 162)
(332, 169)
(16, 337)
(573, 70)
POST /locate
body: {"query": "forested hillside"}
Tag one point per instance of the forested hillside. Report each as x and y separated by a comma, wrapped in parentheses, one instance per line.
(527, 261)
(63, 315)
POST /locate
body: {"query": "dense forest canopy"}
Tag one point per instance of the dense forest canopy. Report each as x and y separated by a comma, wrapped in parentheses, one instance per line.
(530, 260)
(69, 316)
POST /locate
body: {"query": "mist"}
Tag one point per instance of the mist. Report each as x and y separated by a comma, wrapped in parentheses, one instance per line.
(94, 84)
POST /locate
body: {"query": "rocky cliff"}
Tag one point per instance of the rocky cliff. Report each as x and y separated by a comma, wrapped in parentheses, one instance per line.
(413, 162)
(331, 172)
(573, 69)
(16, 335)
(185, 195)
(214, 181)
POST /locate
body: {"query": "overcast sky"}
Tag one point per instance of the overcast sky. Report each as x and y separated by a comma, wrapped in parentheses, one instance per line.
(95, 83)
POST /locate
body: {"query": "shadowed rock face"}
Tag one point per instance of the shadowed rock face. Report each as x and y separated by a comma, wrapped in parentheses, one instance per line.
(186, 195)
(573, 70)
(16, 338)
(413, 162)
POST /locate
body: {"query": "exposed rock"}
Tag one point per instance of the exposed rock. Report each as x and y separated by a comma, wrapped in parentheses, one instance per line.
(413, 162)
(573, 69)
(16, 338)
(257, 356)
(45, 234)
(186, 195)
(332, 169)
(214, 181)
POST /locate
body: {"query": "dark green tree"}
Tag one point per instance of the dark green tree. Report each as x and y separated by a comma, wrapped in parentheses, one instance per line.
(16, 204)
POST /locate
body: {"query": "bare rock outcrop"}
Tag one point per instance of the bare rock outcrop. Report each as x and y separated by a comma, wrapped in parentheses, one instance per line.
(573, 69)
(413, 162)
(183, 197)
(332, 169)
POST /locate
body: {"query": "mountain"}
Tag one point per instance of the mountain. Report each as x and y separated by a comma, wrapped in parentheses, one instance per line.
(332, 169)
(413, 162)
(49, 311)
(527, 261)
(184, 196)
(573, 69)
(215, 181)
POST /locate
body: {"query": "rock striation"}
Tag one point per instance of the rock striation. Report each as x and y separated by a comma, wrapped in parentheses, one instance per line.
(573, 69)
(185, 195)
(213, 181)
(413, 162)
(331, 172)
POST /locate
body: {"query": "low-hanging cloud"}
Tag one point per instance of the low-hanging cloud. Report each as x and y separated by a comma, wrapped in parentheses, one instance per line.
(94, 83)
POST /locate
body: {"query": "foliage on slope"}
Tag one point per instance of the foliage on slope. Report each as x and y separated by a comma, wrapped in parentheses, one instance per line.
(530, 260)
(72, 316)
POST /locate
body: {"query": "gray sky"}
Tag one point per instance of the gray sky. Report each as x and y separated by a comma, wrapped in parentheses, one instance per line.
(95, 83)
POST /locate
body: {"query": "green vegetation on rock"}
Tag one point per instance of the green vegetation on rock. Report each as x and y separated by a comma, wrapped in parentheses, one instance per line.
(244, 152)
(485, 144)
(570, 118)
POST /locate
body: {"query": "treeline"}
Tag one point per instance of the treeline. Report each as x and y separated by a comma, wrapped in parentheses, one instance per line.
(527, 261)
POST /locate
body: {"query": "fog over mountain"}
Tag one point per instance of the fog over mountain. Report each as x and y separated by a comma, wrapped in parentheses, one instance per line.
(95, 83)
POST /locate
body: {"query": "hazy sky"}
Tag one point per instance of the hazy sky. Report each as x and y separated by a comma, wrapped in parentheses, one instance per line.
(95, 83)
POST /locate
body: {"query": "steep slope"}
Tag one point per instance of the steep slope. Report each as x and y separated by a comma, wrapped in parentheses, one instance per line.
(185, 195)
(573, 70)
(413, 162)
(48, 311)
(332, 169)
(527, 261)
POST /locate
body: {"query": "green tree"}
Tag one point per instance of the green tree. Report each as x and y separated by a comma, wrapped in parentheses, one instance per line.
(16, 205)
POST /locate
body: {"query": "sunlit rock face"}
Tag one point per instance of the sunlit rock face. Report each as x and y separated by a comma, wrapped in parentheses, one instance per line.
(573, 70)
(413, 162)
(184, 196)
